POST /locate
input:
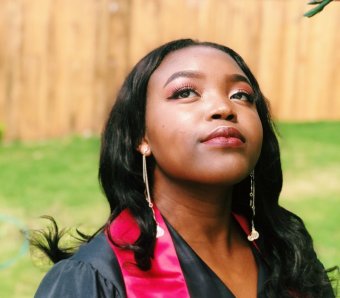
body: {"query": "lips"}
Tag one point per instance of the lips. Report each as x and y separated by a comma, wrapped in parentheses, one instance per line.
(225, 136)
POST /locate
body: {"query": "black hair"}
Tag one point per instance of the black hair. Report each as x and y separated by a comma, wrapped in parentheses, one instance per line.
(285, 243)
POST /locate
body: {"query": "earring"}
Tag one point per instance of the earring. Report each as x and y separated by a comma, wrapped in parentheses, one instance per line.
(159, 230)
(253, 234)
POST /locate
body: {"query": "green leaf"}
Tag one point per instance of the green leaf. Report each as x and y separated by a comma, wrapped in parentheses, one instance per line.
(317, 9)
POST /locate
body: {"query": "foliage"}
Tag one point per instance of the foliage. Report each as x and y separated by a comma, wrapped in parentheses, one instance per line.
(321, 4)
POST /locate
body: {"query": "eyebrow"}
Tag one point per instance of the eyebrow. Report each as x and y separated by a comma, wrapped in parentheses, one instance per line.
(234, 78)
(185, 74)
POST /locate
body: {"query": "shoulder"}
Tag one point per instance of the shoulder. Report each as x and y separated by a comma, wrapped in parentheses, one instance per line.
(92, 272)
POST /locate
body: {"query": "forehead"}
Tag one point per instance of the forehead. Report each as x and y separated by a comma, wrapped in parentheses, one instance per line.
(206, 59)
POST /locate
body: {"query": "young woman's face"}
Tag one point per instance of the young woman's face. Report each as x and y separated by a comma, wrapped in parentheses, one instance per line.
(201, 122)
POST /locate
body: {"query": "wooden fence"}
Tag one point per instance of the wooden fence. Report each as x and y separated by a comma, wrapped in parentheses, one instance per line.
(62, 61)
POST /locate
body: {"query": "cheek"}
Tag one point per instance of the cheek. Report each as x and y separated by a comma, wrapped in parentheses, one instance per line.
(173, 140)
(171, 151)
(168, 133)
(166, 123)
(168, 141)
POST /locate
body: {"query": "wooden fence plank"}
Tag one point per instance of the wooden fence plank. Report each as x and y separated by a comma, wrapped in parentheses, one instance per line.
(62, 62)
(11, 23)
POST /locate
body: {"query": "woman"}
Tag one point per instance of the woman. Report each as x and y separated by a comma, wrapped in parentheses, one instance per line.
(186, 145)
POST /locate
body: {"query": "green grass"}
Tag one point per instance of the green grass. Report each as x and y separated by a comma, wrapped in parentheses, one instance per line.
(59, 178)
(311, 167)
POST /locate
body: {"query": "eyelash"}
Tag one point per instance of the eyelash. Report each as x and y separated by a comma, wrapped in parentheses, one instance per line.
(249, 96)
(178, 91)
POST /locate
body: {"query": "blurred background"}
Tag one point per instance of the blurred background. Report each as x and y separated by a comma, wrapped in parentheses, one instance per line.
(62, 62)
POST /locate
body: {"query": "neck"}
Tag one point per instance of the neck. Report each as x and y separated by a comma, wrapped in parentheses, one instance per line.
(200, 213)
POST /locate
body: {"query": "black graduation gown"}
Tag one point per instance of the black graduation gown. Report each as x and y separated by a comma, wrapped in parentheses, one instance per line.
(94, 272)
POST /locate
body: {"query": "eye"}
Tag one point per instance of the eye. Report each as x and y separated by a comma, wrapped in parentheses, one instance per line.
(185, 92)
(243, 96)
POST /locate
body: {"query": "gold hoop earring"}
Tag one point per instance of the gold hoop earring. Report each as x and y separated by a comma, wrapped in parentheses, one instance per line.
(253, 234)
(159, 230)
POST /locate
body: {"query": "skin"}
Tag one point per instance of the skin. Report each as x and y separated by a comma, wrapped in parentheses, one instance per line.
(192, 93)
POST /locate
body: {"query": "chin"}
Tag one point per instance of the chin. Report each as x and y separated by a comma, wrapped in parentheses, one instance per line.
(224, 178)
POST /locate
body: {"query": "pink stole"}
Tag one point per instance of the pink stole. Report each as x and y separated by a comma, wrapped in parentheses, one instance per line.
(165, 275)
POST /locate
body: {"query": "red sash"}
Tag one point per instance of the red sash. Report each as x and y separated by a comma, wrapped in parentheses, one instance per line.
(165, 275)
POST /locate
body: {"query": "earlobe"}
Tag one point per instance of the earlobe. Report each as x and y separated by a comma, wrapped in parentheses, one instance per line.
(144, 148)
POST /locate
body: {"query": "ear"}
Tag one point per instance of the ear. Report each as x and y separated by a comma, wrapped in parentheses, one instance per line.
(144, 148)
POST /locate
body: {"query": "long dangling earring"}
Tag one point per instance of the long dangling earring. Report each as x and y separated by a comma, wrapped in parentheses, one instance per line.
(253, 234)
(159, 230)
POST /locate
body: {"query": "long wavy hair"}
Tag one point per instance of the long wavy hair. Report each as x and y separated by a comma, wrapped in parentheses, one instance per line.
(286, 246)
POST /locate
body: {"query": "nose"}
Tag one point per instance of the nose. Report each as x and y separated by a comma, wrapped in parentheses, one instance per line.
(221, 110)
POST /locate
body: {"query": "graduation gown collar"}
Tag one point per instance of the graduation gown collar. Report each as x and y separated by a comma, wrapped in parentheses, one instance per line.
(165, 275)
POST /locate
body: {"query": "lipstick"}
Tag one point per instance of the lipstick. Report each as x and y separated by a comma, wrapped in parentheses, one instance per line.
(224, 136)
